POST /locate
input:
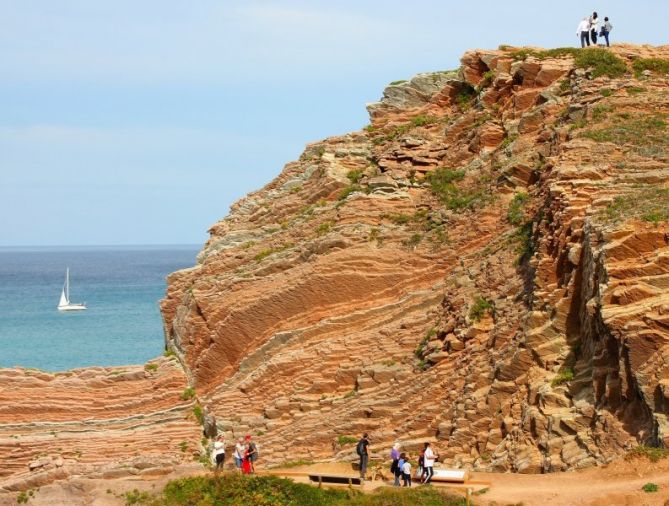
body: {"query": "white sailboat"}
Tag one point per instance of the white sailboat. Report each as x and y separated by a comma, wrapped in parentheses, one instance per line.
(65, 304)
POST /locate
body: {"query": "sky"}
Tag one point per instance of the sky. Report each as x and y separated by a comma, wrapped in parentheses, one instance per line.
(140, 122)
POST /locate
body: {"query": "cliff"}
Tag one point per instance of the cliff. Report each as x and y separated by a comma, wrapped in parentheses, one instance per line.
(485, 265)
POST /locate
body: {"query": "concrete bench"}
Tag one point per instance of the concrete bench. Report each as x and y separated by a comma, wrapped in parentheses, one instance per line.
(451, 475)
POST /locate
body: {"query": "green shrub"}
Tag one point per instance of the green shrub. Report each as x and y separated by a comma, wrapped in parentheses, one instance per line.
(398, 218)
(645, 133)
(237, 489)
(655, 65)
(413, 241)
(199, 414)
(635, 90)
(605, 92)
(136, 497)
(465, 97)
(151, 367)
(183, 446)
(516, 212)
(22, 498)
(323, 228)
(188, 394)
(650, 487)
(442, 183)
(348, 190)
(346, 440)
(651, 453)
(602, 62)
(354, 176)
(599, 112)
(479, 308)
(563, 376)
(423, 120)
(395, 83)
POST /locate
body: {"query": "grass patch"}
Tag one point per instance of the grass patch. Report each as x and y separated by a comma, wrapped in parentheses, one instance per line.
(423, 120)
(350, 394)
(600, 112)
(634, 90)
(323, 228)
(346, 440)
(655, 65)
(516, 212)
(354, 176)
(151, 367)
(270, 251)
(413, 241)
(296, 463)
(236, 489)
(648, 452)
(650, 204)
(602, 62)
(183, 446)
(395, 83)
(605, 92)
(198, 413)
(136, 497)
(563, 376)
(443, 185)
(480, 307)
(465, 97)
(650, 487)
(640, 132)
(348, 191)
(188, 394)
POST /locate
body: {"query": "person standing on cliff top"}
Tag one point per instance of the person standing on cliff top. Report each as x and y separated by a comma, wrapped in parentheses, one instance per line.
(606, 29)
(583, 31)
(593, 28)
(362, 449)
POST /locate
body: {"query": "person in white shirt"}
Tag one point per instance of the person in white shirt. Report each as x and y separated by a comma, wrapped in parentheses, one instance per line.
(429, 459)
(583, 31)
(406, 472)
(219, 452)
(240, 450)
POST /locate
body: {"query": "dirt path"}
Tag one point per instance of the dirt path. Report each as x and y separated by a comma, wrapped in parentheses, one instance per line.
(616, 484)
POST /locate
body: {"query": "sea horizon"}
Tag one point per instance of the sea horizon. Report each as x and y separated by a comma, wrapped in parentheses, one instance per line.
(92, 247)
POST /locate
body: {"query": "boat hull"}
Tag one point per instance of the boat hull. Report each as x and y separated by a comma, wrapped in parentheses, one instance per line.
(72, 307)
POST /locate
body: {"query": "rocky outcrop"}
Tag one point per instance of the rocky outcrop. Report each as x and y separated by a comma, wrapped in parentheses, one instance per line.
(98, 422)
(453, 273)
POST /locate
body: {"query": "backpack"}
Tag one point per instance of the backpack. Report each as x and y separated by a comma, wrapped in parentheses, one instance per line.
(358, 448)
(255, 447)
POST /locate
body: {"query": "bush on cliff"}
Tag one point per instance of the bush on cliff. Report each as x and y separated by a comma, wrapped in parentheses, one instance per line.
(239, 490)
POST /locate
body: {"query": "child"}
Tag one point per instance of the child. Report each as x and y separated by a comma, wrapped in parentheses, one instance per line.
(406, 472)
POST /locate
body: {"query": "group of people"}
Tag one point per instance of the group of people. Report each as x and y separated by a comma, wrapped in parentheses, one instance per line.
(589, 29)
(245, 454)
(401, 465)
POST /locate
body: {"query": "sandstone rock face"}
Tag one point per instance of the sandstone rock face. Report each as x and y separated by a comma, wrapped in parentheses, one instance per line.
(501, 309)
(486, 266)
(99, 422)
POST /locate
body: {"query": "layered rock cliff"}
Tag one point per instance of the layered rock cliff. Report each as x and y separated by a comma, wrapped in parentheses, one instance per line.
(486, 265)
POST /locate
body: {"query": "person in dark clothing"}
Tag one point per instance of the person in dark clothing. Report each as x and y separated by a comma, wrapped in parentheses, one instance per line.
(606, 29)
(593, 28)
(362, 449)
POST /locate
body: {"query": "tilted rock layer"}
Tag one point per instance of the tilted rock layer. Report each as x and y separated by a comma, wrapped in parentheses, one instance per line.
(485, 266)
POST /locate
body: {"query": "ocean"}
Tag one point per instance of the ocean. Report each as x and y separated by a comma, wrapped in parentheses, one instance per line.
(121, 287)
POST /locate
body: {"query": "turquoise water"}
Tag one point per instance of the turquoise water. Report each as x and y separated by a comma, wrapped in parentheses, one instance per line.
(121, 287)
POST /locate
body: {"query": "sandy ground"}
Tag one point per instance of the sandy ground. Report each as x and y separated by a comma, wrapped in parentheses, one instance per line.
(616, 484)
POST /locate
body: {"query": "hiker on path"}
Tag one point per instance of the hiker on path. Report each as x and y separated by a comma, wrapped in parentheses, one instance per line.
(429, 459)
(219, 452)
(583, 31)
(420, 471)
(251, 452)
(240, 451)
(593, 28)
(394, 467)
(606, 29)
(406, 471)
(362, 449)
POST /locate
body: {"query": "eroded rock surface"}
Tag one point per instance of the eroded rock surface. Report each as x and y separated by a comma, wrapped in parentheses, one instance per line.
(509, 315)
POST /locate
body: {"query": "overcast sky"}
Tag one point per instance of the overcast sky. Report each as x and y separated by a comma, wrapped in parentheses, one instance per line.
(140, 122)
